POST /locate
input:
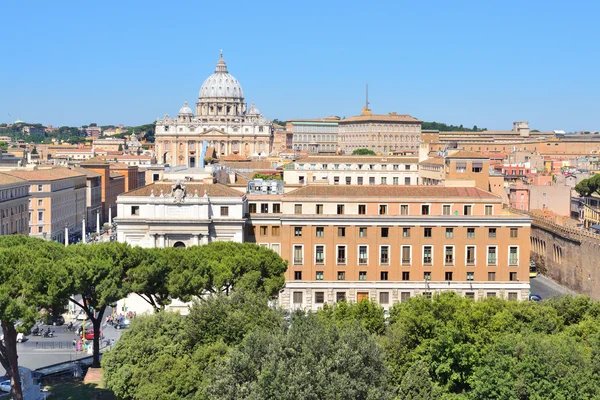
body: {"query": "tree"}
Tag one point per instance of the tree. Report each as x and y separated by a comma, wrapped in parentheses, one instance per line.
(279, 122)
(3, 145)
(417, 383)
(311, 360)
(34, 150)
(28, 268)
(363, 152)
(368, 313)
(588, 186)
(98, 274)
(220, 266)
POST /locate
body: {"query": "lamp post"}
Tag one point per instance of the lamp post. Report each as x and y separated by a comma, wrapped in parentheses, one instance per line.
(98, 222)
(83, 231)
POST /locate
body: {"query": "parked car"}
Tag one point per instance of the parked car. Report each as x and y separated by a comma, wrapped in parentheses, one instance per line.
(20, 337)
(123, 324)
(57, 320)
(535, 297)
(89, 335)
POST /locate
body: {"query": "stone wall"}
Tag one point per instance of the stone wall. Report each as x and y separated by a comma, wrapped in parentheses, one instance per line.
(568, 256)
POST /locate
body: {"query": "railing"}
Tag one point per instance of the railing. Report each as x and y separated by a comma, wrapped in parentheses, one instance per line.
(362, 260)
(470, 261)
(427, 262)
(491, 261)
(297, 260)
(449, 261)
(406, 261)
(320, 261)
(341, 260)
(384, 261)
(513, 261)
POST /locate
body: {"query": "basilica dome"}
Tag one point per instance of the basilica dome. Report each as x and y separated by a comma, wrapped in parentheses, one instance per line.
(221, 84)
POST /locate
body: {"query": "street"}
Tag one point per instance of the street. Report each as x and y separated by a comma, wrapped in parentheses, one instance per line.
(545, 288)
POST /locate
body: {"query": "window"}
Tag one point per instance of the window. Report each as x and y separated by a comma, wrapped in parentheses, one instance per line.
(512, 296)
(470, 233)
(362, 254)
(359, 180)
(362, 275)
(385, 232)
(406, 250)
(427, 232)
(448, 276)
(362, 232)
(492, 233)
(382, 209)
(446, 209)
(427, 255)
(404, 296)
(384, 255)
(470, 276)
(470, 255)
(297, 208)
(461, 166)
(449, 255)
(512, 276)
(395, 180)
(491, 294)
(301, 180)
(276, 208)
(425, 209)
(362, 209)
(40, 188)
(40, 202)
(467, 210)
(298, 250)
(403, 209)
(341, 275)
(371, 180)
(264, 208)
(40, 229)
(470, 295)
(341, 254)
(405, 276)
(407, 181)
(405, 232)
(275, 230)
(320, 231)
(427, 295)
(264, 230)
(224, 211)
(449, 233)
(477, 166)
(340, 209)
(319, 297)
(319, 254)
(341, 231)
(340, 296)
(276, 248)
(319, 275)
(298, 231)
(298, 275)
(348, 180)
(492, 255)
(427, 275)
(491, 276)
(297, 297)
(513, 255)
(336, 180)
(384, 297)
(319, 209)
(383, 180)
(135, 210)
(489, 210)
(514, 233)
(383, 276)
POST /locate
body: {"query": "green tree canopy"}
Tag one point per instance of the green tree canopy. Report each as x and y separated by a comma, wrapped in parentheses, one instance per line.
(363, 152)
(588, 186)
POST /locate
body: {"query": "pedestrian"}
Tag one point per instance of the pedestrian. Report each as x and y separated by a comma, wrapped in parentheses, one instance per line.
(85, 347)
(74, 344)
(112, 342)
(79, 345)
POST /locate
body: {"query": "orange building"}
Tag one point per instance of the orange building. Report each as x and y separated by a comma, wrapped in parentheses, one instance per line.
(389, 243)
(14, 205)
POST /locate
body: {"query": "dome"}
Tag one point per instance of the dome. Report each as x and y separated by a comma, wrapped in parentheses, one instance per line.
(253, 110)
(185, 110)
(221, 84)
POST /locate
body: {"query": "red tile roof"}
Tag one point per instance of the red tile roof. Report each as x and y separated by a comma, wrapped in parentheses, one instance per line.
(50, 174)
(389, 191)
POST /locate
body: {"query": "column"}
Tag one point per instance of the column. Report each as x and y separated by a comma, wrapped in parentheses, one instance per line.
(66, 235)
(195, 240)
(110, 215)
(83, 231)
(98, 222)
(161, 241)
(204, 239)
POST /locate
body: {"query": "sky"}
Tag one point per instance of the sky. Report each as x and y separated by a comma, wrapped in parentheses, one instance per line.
(485, 63)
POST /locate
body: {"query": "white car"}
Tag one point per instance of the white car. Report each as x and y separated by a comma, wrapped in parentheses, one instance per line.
(20, 337)
(82, 316)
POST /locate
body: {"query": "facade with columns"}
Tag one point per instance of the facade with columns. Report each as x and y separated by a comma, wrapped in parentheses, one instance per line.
(180, 214)
(222, 120)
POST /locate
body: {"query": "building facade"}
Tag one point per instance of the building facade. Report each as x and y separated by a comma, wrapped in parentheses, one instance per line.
(14, 205)
(316, 136)
(382, 133)
(221, 120)
(57, 201)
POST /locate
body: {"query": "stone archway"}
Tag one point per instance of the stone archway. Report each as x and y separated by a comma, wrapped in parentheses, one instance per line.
(179, 244)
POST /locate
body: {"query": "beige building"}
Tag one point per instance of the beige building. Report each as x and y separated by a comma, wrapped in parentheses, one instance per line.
(57, 200)
(382, 133)
(14, 205)
(316, 136)
(221, 120)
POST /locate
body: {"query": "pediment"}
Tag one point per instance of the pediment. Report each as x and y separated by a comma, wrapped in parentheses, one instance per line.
(214, 132)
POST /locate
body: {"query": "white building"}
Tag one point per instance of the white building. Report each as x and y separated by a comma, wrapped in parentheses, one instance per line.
(180, 214)
(221, 120)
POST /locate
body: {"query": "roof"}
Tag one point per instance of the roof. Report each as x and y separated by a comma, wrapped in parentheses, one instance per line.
(94, 161)
(233, 157)
(212, 190)
(6, 179)
(116, 175)
(467, 154)
(88, 172)
(249, 164)
(119, 165)
(433, 160)
(323, 191)
(50, 174)
(391, 117)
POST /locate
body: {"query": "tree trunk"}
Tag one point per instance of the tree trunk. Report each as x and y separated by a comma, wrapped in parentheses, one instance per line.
(97, 322)
(10, 343)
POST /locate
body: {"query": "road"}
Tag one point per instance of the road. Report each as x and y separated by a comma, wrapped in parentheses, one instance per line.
(546, 288)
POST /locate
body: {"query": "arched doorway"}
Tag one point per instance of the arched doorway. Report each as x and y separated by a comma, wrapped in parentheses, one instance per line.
(179, 245)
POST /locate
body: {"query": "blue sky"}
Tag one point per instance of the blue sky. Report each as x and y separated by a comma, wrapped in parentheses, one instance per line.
(485, 63)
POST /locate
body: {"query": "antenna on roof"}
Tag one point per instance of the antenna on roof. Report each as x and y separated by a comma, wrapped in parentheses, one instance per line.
(367, 101)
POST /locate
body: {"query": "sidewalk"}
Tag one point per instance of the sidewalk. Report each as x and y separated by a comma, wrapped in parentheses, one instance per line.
(555, 286)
